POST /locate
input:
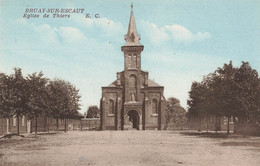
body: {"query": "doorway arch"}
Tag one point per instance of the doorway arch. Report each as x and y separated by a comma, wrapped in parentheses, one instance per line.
(133, 116)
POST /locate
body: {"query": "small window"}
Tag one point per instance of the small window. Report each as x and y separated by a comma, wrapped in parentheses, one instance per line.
(14, 121)
(111, 107)
(155, 107)
(129, 61)
(134, 61)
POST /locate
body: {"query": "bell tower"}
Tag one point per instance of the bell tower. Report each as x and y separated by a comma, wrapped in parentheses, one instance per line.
(132, 48)
(132, 61)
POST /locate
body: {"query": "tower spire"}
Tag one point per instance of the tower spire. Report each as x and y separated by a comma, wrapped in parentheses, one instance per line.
(132, 37)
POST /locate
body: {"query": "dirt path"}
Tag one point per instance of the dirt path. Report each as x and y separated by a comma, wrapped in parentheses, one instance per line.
(130, 148)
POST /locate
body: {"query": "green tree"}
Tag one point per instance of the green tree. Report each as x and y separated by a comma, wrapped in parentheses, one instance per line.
(72, 100)
(197, 102)
(56, 95)
(37, 96)
(93, 112)
(63, 100)
(5, 95)
(19, 96)
(175, 113)
(247, 83)
(227, 92)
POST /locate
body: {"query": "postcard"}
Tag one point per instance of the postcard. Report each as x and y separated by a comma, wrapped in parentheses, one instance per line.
(154, 70)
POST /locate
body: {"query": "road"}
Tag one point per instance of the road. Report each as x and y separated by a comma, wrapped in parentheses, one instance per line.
(129, 148)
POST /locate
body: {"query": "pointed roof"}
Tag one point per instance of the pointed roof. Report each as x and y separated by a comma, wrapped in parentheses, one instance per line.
(132, 37)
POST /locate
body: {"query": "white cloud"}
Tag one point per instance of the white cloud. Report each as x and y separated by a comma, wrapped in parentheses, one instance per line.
(182, 34)
(201, 36)
(178, 33)
(153, 32)
(109, 27)
(30, 35)
(46, 33)
(71, 35)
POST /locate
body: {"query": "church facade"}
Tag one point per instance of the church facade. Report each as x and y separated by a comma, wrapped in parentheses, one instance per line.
(132, 100)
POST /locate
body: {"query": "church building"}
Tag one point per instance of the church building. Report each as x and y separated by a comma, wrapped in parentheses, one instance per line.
(132, 101)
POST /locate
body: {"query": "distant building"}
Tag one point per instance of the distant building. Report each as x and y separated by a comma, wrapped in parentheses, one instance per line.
(133, 100)
(9, 125)
(44, 124)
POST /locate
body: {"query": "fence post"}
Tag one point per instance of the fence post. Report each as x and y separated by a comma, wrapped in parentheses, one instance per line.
(80, 126)
(89, 125)
(7, 126)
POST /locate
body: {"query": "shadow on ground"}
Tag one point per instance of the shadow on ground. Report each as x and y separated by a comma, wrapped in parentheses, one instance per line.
(231, 143)
(11, 135)
(215, 135)
(206, 134)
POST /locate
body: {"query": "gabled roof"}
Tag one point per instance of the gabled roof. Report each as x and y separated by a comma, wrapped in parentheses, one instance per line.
(152, 83)
(113, 84)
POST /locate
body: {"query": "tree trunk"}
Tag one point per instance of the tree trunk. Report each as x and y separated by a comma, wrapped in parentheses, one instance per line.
(31, 126)
(2, 124)
(207, 124)
(167, 121)
(235, 124)
(57, 124)
(80, 126)
(228, 119)
(89, 125)
(65, 125)
(72, 125)
(18, 125)
(36, 125)
(47, 124)
(7, 125)
(216, 124)
(199, 126)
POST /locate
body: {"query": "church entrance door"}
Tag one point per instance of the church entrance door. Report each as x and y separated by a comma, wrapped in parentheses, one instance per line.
(133, 119)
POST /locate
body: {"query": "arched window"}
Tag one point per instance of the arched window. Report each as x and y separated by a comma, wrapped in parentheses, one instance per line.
(134, 61)
(111, 107)
(155, 106)
(132, 82)
(129, 61)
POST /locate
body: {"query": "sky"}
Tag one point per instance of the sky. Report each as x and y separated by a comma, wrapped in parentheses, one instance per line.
(183, 41)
